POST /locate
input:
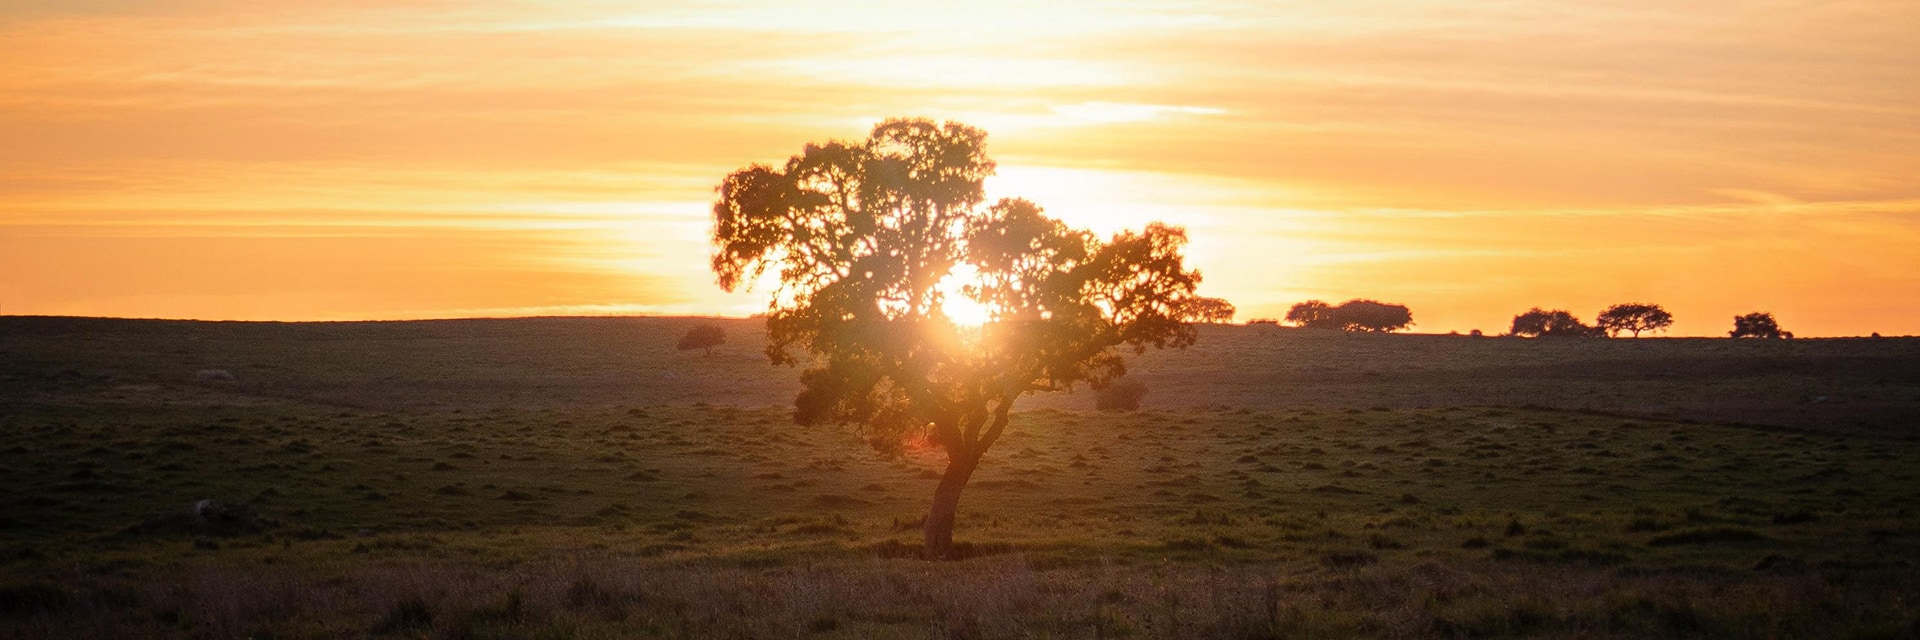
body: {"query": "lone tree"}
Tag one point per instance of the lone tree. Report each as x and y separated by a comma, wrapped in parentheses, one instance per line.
(1635, 317)
(1372, 316)
(1758, 324)
(1552, 324)
(870, 239)
(1313, 314)
(1210, 310)
(703, 336)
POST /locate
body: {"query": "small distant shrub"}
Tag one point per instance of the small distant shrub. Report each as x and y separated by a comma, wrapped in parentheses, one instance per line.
(1121, 395)
(1348, 560)
(704, 337)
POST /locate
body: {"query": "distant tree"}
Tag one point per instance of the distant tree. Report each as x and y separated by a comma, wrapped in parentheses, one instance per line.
(704, 336)
(1372, 316)
(1313, 314)
(868, 239)
(1533, 322)
(1352, 315)
(1210, 310)
(1261, 321)
(1756, 325)
(1552, 324)
(1635, 317)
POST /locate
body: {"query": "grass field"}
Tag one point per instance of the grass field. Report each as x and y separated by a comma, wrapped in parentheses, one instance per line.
(581, 478)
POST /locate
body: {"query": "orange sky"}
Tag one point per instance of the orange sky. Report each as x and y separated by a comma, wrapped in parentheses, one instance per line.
(408, 159)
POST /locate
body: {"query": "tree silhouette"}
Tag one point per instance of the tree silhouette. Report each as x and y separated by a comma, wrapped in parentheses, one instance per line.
(1635, 317)
(1313, 314)
(1210, 310)
(703, 336)
(868, 239)
(1372, 316)
(1352, 315)
(1758, 324)
(1552, 324)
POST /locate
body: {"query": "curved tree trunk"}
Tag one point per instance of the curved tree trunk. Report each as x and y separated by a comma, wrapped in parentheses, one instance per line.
(946, 504)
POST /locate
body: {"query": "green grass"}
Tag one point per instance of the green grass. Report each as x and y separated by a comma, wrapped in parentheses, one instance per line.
(438, 506)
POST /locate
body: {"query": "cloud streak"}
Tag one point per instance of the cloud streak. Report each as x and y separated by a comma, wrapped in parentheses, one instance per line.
(1470, 160)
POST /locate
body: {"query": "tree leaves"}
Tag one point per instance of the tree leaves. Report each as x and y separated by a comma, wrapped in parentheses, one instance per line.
(871, 238)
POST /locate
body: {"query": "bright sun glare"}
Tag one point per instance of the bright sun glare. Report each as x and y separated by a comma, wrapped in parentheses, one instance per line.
(965, 312)
(962, 310)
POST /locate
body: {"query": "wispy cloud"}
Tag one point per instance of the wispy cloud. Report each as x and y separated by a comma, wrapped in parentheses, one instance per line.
(1466, 158)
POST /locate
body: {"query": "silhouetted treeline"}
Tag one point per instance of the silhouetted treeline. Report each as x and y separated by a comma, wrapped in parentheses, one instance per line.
(1632, 318)
(1352, 315)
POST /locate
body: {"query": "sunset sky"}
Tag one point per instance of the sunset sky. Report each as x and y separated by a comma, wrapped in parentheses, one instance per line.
(388, 159)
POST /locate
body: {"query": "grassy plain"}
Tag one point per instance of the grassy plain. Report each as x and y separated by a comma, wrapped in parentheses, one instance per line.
(581, 478)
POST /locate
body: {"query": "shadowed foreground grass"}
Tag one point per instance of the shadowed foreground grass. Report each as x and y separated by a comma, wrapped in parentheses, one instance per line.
(702, 521)
(1015, 595)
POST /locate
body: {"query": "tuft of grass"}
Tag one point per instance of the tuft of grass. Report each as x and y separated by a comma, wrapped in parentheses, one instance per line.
(410, 614)
(33, 597)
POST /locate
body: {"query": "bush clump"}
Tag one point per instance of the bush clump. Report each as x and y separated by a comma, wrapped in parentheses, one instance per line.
(703, 337)
(1122, 395)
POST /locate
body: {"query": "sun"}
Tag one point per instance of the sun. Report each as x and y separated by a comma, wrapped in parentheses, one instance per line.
(959, 308)
(964, 311)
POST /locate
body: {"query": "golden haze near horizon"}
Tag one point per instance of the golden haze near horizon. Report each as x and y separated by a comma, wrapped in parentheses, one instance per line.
(417, 159)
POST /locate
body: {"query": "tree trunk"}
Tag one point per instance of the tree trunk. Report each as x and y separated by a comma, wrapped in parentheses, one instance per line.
(946, 504)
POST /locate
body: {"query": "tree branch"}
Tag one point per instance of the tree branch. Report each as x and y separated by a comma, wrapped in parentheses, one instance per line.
(1001, 413)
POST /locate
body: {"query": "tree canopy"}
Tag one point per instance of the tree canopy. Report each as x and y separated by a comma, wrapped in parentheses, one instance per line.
(1557, 323)
(1372, 316)
(1313, 314)
(1352, 315)
(1634, 317)
(1758, 324)
(1210, 310)
(870, 239)
(704, 336)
